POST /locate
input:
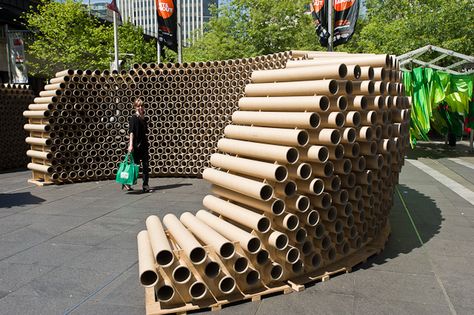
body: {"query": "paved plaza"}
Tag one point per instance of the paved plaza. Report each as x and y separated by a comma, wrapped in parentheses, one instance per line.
(71, 249)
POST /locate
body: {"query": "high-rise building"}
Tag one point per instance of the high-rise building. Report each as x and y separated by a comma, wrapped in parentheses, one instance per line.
(194, 13)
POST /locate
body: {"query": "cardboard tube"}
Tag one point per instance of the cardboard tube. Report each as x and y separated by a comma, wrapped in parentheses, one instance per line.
(278, 240)
(280, 136)
(239, 184)
(324, 136)
(315, 153)
(159, 242)
(313, 187)
(343, 166)
(332, 119)
(353, 119)
(34, 127)
(239, 214)
(288, 221)
(39, 154)
(273, 206)
(198, 290)
(250, 167)
(276, 119)
(286, 189)
(323, 169)
(38, 141)
(274, 271)
(209, 236)
(368, 148)
(148, 275)
(365, 134)
(349, 59)
(36, 113)
(322, 201)
(248, 241)
(262, 151)
(193, 250)
(300, 203)
(300, 74)
(300, 171)
(318, 103)
(366, 73)
(47, 169)
(296, 88)
(349, 135)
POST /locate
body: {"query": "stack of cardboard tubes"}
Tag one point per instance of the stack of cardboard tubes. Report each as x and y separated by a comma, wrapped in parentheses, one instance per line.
(14, 99)
(83, 117)
(303, 177)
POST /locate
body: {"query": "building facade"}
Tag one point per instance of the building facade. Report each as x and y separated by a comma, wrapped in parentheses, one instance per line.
(194, 13)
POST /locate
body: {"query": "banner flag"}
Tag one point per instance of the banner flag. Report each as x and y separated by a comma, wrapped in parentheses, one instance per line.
(346, 13)
(167, 23)
(113, 6)
(19, 73)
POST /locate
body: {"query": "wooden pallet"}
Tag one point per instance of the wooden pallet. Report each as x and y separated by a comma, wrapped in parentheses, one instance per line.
(40, 182)
(344, 265)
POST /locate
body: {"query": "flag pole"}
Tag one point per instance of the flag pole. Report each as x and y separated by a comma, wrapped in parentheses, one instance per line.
(158, 45)
(178, 25)
(116, 49)
(330, 25)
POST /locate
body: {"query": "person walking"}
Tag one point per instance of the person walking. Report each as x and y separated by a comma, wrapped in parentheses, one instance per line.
(138, 143)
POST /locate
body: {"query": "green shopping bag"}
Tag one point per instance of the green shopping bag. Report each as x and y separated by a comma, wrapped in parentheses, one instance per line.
(127, 173)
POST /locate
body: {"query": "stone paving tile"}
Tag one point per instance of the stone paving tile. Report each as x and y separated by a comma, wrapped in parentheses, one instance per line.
(459, 288)
(95, 232)
(124, 290)
(368, 306)
(450, 248)
(386, 285)
(34, 305)
(448, 265)
(463, 310)
(91, 308)
(106, 260)
(49, 253)
(15, 275)
(64, 283)
(308, 302)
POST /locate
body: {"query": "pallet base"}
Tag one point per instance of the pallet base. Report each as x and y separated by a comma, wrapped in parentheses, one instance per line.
(344, 265)
(40, 182)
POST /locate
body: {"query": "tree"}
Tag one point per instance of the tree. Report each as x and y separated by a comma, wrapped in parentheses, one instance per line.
(399, 26)
(246, 28)
(66, 36)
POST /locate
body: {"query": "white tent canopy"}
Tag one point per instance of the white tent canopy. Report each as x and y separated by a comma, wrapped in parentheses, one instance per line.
(410, 58)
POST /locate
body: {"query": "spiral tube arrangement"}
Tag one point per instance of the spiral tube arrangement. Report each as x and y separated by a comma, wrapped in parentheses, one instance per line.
(79, 123)
(303, 177)
(14, 99)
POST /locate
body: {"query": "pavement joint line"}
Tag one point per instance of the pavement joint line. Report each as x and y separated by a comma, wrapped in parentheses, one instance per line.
(457, 188)
(74, 307)
(409, 216)
(461, 162)
(445, 293)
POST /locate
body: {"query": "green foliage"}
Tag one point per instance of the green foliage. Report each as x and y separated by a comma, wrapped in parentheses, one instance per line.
(66, 36)
(398, 26)
(246, 28)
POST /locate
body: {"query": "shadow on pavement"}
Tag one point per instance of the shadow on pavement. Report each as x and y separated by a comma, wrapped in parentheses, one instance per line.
(18, 199)
(439, 150)
(403, 238)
